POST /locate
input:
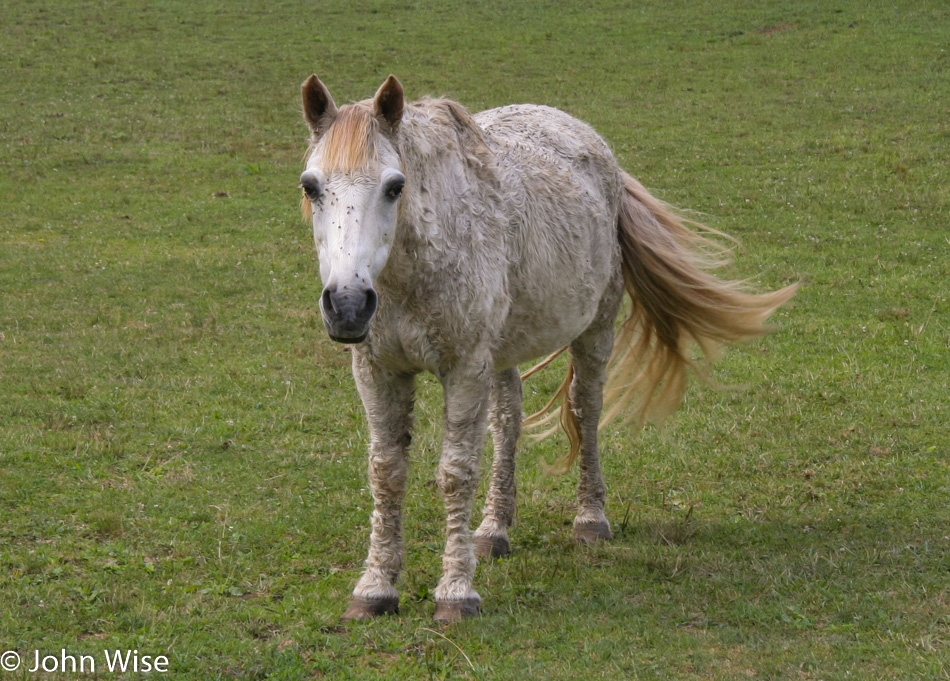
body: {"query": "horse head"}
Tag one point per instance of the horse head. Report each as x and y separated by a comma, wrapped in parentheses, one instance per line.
(352, 184)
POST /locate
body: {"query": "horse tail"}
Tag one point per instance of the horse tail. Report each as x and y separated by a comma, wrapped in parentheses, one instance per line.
(674, 300)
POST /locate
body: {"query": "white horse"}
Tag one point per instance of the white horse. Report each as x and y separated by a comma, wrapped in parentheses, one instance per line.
(466, 245)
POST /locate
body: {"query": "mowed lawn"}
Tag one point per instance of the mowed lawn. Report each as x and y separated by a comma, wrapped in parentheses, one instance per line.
(182, 451)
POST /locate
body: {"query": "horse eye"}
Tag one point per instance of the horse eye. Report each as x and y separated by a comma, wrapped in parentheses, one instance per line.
(394, 190)
(311, 187)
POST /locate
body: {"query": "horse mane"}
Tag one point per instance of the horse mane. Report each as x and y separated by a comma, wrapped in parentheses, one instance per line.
(450, 113)
(439, 127)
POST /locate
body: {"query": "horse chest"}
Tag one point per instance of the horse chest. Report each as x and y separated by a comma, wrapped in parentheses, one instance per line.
(430, 333)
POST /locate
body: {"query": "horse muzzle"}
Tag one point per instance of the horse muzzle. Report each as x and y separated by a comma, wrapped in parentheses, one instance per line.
(347, 312)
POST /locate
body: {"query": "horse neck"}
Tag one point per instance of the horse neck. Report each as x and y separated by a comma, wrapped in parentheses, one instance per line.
(417, 254)
(450, 176)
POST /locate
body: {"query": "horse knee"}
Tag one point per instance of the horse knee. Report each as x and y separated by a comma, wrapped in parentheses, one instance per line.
(388, 473)
(457, 477)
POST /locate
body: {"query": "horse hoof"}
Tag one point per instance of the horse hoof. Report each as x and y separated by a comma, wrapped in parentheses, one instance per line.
(367, 609)
(448, 612)
(589, 533)
(492, 547)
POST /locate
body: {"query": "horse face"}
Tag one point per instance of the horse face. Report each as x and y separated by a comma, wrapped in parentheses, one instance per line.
(354, 220)
(353, 185)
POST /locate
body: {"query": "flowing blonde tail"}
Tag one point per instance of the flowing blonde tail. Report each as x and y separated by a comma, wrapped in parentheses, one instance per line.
(566, 416)
(674, 300)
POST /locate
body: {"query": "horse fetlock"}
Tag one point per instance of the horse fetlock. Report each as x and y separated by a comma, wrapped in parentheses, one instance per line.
(376, 584)
(457, 585)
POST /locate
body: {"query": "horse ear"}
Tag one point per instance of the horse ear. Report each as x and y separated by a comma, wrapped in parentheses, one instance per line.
(388, 104)
(318, 106)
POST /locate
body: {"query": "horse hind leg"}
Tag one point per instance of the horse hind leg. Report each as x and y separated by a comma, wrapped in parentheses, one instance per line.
(491, 537)
(590, 353)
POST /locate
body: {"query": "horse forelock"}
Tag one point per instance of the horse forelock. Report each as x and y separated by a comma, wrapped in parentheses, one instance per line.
(350, 142)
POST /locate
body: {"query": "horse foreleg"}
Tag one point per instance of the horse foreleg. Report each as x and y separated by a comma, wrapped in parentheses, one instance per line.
(466, 405)
(590, 353)
(387, 399)
(491, 537)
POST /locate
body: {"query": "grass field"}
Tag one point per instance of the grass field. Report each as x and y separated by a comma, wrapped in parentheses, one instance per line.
(182, 451)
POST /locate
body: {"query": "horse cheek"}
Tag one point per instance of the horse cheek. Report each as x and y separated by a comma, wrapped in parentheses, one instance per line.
(323, 259)
(379, 259)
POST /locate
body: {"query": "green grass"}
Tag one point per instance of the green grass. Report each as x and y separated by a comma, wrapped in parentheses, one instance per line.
(182, 465)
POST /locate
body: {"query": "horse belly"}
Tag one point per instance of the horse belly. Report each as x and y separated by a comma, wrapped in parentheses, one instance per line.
(554, 304)
(532, 338)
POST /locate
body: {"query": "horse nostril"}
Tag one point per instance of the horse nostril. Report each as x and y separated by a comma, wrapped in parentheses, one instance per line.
(371, 301)
(327, 300)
